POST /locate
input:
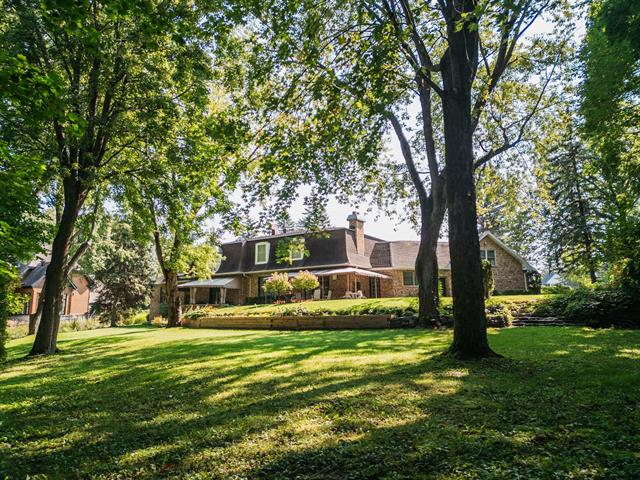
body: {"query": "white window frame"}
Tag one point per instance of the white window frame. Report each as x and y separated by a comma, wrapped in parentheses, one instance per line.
(484, 255)
(267, 246)
(297, 255)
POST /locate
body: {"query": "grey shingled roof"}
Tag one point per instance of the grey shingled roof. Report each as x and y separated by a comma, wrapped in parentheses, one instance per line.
(402, 254)
(34, 276)
(336, 248)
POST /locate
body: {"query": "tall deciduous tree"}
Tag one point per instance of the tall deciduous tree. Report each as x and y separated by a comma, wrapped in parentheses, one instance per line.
(352, 67)
(23, 228)
(184, 186)
(109, 64)
(611, 109)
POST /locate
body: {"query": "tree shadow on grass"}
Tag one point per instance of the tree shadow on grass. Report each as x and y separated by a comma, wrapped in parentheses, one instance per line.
(318, 405)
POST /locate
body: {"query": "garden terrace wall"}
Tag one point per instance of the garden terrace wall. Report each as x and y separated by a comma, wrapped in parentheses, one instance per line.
(311, 322)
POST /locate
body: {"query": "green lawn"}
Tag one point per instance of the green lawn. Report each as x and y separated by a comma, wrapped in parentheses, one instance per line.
(346, 306)
(152, 403)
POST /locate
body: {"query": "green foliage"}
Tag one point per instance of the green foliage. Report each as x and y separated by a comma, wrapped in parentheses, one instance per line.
(351, 397)
(23, 229)
(195, 158)
(575, 222)
(123, 269)
(287, 247)
(135, 317)
(315, 218)
(108, 76)
(277, 284)
(75, 325)
(556, 289)
(4, 313)
(610, 106)
(508, 205)
(600, 306)
(534, 282)
(487, 278)
(305, 281)
(499, 314)
(399, 306)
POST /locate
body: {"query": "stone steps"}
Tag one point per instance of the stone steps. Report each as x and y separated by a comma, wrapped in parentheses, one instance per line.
(527, 321)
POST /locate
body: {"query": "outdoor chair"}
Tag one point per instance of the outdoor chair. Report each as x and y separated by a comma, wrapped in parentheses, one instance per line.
(316, 294)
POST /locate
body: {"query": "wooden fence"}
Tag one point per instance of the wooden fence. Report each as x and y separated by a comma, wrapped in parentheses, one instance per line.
(326, 322)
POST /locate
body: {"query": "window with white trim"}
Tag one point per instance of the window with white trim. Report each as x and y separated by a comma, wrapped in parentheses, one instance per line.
(489, 255)
(409, 278)
(297, 255)
(262, 253)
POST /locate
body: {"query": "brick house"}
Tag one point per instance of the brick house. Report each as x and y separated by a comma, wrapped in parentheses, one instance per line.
(75, 298)
(345, 260)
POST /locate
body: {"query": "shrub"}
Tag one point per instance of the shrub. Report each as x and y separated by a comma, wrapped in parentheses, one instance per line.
(163, 310)
(602, 306)
(197, 313)
(277, 284)
(304, 282)
(555, 289)
(487, 278)
(159, 322)
(134, 317)
(534, 281)
(80, 324)
(499, 315)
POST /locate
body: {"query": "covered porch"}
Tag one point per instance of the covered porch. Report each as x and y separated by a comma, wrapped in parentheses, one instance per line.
(350, 282)
(213, 291)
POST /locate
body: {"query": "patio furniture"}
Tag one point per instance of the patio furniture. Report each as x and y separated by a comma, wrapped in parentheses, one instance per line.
(316, 294)
(329, 295)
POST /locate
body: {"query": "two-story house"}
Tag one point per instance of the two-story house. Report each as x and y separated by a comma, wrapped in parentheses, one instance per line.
(345, 260)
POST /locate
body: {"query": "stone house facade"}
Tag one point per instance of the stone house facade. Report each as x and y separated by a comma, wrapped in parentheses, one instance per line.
(346, 261)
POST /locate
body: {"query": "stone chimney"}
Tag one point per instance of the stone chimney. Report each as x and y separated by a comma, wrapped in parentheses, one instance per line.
(356, 223)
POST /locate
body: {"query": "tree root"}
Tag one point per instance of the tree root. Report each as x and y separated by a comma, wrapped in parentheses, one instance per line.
(454, 352)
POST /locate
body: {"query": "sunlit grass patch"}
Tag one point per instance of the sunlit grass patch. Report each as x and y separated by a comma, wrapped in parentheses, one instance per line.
(143, 402)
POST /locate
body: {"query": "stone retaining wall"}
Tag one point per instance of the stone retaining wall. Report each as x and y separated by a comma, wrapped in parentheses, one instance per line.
(319, 322)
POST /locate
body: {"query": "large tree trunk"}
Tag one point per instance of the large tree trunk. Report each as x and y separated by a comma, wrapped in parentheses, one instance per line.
(470, 329)
(113, 319)
(173, 300)
(47, 335)
(432, 208)
(432, 217)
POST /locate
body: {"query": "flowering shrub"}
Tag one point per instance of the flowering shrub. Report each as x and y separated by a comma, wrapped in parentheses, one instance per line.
(304, 282)
(277, 284)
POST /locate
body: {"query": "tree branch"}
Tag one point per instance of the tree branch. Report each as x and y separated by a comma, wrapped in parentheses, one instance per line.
(509, 144)
(408, 158)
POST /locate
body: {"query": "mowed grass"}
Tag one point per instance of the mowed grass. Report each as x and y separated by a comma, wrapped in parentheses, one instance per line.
(345, 306)
(196, 404)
